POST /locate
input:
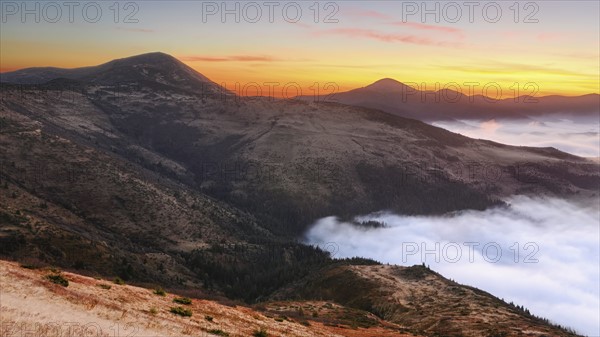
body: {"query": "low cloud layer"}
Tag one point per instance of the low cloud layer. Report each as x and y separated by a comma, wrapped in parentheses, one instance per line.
(578, 137)
(549, 259)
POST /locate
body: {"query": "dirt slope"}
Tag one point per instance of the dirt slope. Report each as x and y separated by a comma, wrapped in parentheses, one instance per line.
(30, 302)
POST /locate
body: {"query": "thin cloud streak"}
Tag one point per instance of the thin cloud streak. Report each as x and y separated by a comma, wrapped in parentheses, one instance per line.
(357, 12)
(136, 30)
(385, 37)
(422, 26)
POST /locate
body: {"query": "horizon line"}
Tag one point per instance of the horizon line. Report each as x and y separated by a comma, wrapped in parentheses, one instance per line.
(224, 83)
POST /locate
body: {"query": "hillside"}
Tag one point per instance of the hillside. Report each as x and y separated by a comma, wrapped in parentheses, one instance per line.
(105, 205)
(423, 301)
(412, 302)
(32, 303)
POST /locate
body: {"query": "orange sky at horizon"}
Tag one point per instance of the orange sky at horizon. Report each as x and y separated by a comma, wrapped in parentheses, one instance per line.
(232, 76)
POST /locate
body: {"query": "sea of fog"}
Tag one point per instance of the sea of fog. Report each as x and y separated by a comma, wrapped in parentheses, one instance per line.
(540, 253)
(576, 136)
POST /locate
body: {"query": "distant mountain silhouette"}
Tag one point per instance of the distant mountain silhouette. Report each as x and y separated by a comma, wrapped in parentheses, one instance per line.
(388, 85)
(400, 99)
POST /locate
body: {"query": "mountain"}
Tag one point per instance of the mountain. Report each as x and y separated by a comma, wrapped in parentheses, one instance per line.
(143, 70)
(388, 85)
(156, 181)
(400, 99)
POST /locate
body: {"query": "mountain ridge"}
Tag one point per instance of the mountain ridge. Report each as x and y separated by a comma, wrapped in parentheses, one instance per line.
(397, 85)
(400, 99)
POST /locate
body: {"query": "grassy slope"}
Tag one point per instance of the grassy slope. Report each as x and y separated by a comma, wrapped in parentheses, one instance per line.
(30, 300)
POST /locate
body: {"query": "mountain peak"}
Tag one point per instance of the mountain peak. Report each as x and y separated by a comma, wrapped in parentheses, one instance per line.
(155, 67)
(153, 57)
(387, 85)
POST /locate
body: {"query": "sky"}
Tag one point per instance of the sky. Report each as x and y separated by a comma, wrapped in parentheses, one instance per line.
(554, 44)
(546, 250)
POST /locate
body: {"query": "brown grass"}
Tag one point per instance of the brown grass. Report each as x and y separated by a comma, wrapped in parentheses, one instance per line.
(29, 299)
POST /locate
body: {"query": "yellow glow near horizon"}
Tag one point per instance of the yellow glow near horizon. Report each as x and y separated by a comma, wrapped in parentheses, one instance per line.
(520, 83)
(350, 75)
